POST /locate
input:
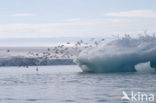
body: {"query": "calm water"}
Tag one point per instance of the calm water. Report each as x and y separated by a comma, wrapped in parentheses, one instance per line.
(66, 84)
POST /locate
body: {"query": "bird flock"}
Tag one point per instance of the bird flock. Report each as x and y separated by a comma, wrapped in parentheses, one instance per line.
(68, 50)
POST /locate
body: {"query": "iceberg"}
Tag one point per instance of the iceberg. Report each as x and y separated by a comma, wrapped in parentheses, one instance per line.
(120, 55)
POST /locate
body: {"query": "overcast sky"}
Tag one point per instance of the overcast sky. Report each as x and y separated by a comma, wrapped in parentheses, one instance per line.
(76, 18)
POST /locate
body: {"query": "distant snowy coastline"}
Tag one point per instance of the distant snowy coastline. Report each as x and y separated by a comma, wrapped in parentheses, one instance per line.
(28, 61)
(61, 54)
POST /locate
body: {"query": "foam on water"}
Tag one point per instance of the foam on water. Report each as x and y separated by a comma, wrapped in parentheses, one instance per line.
(120, 55)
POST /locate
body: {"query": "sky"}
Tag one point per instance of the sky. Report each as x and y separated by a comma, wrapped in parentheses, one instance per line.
(76, 18)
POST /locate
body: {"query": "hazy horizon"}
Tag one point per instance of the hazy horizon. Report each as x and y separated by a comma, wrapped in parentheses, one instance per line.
(40, 42)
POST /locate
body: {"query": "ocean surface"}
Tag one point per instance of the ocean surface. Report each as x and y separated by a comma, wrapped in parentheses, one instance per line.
(67, 84)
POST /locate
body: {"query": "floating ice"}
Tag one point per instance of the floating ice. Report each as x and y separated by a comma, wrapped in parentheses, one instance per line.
(144, 68)
(120, 55)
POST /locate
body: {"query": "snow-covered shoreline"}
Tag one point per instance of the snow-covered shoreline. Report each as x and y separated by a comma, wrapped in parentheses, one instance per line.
(20, 56)
(28, 61)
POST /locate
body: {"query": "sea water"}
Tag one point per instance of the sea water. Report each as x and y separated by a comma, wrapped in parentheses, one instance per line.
(68, 84)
